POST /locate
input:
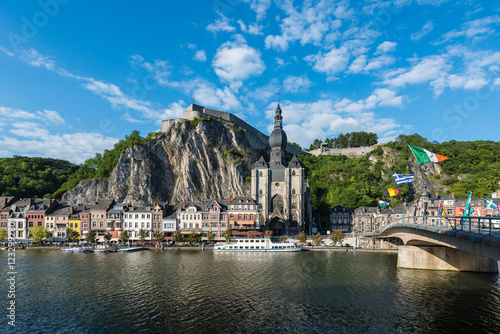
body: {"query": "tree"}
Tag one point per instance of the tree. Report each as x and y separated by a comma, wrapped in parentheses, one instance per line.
(3, 234)
(336, 236)
(283, 238)
(318, 239)
(250, 235)
(73, 235)
(210, 237)
(38, 233)
(108, 237)
(302, 237)
(194, 238)
(90, 237)
(143, 234)
(268, 234)
(159, 236)
(124, 237)
(227, 234)
(177, 236)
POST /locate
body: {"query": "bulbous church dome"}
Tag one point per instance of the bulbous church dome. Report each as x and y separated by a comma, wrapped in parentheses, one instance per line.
(278, 136)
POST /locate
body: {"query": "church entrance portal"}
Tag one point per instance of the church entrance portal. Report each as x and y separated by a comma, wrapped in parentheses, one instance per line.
(277, 226)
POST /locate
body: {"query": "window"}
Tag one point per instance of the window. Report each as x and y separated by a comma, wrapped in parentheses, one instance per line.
(136, 216)
(142, 225)
(110, 225)
(277, 204)
(260, 192)
(101, 224)
(85, 225)
(293, 191)
(148, 216)
(154, 225)
(94, 223)
(260, 174)
(215, 217)
(239, 217)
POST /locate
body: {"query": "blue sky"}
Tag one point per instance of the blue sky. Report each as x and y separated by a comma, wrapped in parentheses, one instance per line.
(76, 76)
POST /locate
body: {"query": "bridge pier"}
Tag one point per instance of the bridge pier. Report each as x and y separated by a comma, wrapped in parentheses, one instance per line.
(444, 258)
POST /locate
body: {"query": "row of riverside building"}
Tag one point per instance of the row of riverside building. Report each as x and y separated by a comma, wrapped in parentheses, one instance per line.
(106, 217)
(368, 219)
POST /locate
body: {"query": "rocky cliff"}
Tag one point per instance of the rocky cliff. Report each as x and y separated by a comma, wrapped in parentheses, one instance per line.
(195, 160)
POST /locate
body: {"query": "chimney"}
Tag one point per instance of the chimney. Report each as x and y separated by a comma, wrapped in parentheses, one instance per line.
(4, 202)
(228, 199)
(50, 202)
(453, 195)
(31, 201)
(184, 204)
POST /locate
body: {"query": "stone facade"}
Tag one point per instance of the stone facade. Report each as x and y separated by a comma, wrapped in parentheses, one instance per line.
(279, 188)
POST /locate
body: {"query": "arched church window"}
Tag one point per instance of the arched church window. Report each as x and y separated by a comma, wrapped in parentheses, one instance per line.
(277, 203)
(260, 174)
(260, 192)
(294, 206)
(293, 173)
(260, 205)
(293, 191)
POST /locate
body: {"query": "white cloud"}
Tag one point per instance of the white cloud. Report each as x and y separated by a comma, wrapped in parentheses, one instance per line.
(429, 69)
(304, 122)
(236, 61)
(51, 116)
(7, 52)
(252, 29)
(159, 70)
(221, 24)
(294, 84)
(308, 24)
(473, 29)
(209, 95)
(200, 55)
(331, 63)
(386, 47)
(75, 147)
(32, 57)
(427, 28)
(174, 110)
(259, 7)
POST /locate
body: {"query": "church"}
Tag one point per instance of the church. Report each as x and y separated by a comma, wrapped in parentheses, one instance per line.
(279, 189)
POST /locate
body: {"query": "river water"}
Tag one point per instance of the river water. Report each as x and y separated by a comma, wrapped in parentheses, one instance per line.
(192, 291)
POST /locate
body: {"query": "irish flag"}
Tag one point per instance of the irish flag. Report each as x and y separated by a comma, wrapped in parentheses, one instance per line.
(423, 156)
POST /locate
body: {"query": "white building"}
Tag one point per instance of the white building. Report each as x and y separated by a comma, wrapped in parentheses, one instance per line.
(136, 219)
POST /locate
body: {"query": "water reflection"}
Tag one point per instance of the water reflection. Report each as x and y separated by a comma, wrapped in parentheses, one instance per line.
(192, 291)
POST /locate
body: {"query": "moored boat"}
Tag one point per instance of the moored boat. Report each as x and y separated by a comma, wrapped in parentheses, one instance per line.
(131, 249)
(259, 245)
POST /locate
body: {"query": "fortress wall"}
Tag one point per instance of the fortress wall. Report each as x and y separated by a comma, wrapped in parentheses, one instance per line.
(354, 152)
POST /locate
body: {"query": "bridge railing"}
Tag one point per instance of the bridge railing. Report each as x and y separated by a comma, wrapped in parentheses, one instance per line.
(478, 224)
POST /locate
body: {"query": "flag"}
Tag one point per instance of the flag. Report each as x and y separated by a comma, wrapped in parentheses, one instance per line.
(423, 156)
(491, 204)
(403, 178)
(440, 213)
(391, 192)
(460, 212)
(382, 203)
(376, 214)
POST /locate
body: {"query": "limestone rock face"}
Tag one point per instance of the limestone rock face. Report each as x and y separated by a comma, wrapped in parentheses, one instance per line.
(210, 160)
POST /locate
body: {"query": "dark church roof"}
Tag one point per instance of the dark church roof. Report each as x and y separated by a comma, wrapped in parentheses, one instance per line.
(278, 136)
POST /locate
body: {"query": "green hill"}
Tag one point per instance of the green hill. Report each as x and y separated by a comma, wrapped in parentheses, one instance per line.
(338, 180)
(33, 177)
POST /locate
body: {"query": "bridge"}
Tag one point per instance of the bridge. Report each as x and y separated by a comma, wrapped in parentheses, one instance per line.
(454, 243)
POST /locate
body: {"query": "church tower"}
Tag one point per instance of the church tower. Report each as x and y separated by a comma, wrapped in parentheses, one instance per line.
(279, 188)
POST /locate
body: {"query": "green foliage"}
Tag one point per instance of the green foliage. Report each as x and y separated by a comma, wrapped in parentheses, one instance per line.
(177, 236)
(318, 239)
(143, 234)
(73, 235)
(227, 234)
(3, 234)
(194, 238)
(33, 177)
(351, 139)
(250, 235)
(195, 122)
(336, 236)
(302, 237)
(210, 237)
(38, 233)
(102, 164)
(159, 236)
(293, 144)
(91, 235)
(124, 237)
(248, 179)
(268, 234)
(283, 238)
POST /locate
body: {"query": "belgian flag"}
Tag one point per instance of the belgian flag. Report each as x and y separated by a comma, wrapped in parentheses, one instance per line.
(391, 192)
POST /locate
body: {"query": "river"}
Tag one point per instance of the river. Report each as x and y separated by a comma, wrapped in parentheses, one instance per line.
(192, 291)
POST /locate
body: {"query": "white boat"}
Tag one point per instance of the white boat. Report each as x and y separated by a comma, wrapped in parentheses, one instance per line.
(131, 249)
(258, 245)
(76, 250)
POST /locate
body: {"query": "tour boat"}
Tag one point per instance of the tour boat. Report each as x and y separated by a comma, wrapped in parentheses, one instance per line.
(78, 249)
(131, 249)
(258, 245)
